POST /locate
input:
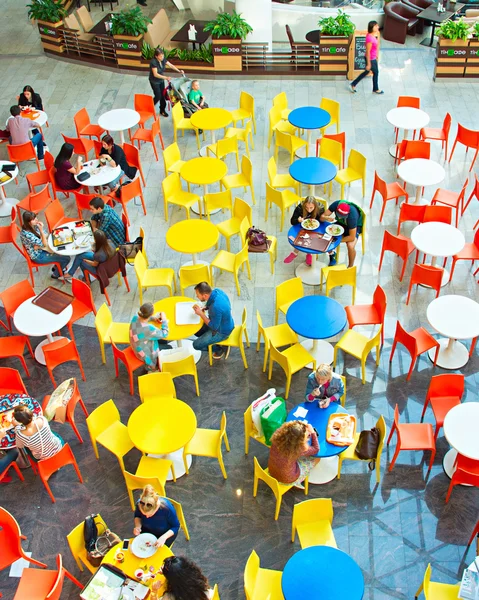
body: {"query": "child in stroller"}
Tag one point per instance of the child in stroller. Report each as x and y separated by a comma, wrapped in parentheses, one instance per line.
(178, 90)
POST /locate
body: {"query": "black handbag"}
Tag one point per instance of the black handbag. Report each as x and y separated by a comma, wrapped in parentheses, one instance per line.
(130, 249)
(367, 446)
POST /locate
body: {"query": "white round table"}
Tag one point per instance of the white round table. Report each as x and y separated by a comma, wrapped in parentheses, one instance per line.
(457, 318)
(6, 203)
(82, 243)
(119, 120)
(41, 119)
(407, 118)
(105, 175)
(35, 321)
(460, 429)
(438, 239)
(421, 172)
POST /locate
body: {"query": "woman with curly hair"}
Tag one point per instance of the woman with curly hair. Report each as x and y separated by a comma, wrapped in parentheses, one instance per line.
(183, 581)
(291, 456)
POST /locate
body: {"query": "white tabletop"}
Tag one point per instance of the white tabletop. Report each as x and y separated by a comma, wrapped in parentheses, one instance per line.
(460, 429)
(12, 173)
(33, 320)
(41, 119)
(455, 317)
(437, 239)
(106, 174)
(405, 117)
(119, 119)
(421, 171)
(82, 244)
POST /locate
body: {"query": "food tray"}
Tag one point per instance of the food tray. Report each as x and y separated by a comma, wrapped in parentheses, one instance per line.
(347, 430)
(53, 300)
(314, 241)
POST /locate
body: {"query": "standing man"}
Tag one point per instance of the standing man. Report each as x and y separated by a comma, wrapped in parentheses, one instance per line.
(106, 219)
(157, 79)
(349, 216)
(217, 324)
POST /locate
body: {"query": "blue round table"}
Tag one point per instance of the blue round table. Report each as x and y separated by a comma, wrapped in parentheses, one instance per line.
(313, 171)
(324, 573)
(309, 118)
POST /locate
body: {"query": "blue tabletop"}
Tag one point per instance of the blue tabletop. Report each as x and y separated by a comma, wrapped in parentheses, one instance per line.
(295, 229)
(316, 317)
(312, 170)
(324, 573)
(309, 117)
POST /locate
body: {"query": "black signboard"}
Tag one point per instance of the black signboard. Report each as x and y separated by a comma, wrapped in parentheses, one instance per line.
(359, 52)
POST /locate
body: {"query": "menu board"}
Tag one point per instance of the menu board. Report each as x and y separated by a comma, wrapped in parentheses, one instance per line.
(357, 54)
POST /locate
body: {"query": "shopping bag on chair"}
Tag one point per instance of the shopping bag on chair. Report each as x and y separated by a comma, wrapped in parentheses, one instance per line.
(256, 408)
(272, 417)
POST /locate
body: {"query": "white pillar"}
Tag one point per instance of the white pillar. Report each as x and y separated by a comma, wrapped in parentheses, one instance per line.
(204, 10)
(259, 14)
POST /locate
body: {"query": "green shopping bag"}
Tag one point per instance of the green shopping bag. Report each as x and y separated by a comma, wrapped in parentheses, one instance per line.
(272, 417)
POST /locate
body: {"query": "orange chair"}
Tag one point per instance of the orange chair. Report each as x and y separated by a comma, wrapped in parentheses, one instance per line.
(11, 542)
(369, 314)
(469, 252)
(55, 215)
(124, 220)
(417, 149)
(398, 244)
(14, 345)
(425, 275)
(59, 352)
(48, 585)
(40, 177)
(55, 187)
(35, 202)
(81, 146)
(14, 466)
(132, 156)
(144, 105)
(130, 361)
(18, 153)
(82, 305)
(337, 137)
(97, 147)
(83, 201)
(468, 138)
(11, 382)
(412, 436)
(5, 231)
(15, 295)
(388, 191)
(129, 192)
(439, 214)
(454, 200)
(440, 133)
(475, 192)
(149, 135)
(445, 392)
(412, 102)
(466, 473)
(48, 466)
(84, 127)
(70, 409)
(416, 343)
(410, 212)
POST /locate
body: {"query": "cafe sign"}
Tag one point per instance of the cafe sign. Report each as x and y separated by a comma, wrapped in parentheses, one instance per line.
(50, 31)
(127, 46)
(446, 52)
(227, 50)
(334, 50)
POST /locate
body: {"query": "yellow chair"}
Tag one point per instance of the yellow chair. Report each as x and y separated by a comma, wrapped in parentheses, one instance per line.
(359, 346)
(228, 261)
(276, 123)
(228, 145)
(156, 385)
(278, 335)
(313, 520)
(133, 482)
(151, 467)
(355, 170)
(178, 368)
(76, 541)
(283, 180)
(362, 235)
(192, 275)
(333, 151)
(261, 584)
(243, 135)
(437, 591)
(242, 179)
(172, 159)
(235, 340)
(283, 199)
(142, 234)
(281, 101)
(245, 110)
(333, 108)
(342, 400)
(108, 330)
(174, 194)
(180, 123)
(208, 442)
(291, 360)
(278, 489)
(286, 293)
(216, 595)
(231, 227)
(152, 277)
(222, 200)
(250, 430)
(291, 143)
(350, 454)
(105, 428)
(337, 276)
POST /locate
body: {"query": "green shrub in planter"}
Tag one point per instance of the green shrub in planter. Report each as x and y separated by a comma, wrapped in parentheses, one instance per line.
(340, 25)
(130, 21)
(50, 11)
(229, 26)
(454, 30)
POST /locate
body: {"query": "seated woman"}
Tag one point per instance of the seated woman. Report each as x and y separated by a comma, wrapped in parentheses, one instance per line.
(29, 98)
(103, 250)
(65, 171)
(145, 338)
(183, 581)
(116, 157)
(291, 456)
(34, 434)
(195, 96)
(309, 208)
(6, 459)
(156, 515)
(325, 386)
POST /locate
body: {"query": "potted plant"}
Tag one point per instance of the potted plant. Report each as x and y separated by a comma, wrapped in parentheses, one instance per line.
(228, 30)
(49, 14)
(127, 28)
(454, 33)
(472, 64)
(334, 39)
(453, 39)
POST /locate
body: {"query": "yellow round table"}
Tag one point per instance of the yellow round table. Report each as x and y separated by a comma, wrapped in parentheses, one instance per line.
(132, 563)
(211, 119)
(204, 171)
(192, 237)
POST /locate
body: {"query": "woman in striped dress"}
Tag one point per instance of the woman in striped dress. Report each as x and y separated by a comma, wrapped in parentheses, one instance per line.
(34, 434)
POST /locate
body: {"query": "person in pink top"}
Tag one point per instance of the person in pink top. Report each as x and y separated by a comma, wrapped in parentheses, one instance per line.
(372, 54)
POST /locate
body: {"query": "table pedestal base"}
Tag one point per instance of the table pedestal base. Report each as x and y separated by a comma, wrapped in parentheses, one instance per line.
(322, 351)
(325, 471)
(452, 354)
(301, 152)
(39, 355)
(185, 348)
(393, 150)
(309, 275)
(177, 460)
(6, 205)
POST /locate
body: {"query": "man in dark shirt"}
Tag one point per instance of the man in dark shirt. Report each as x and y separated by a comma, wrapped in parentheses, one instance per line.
(106, 219)
(349, 216)
(157, 78)
(115, 155)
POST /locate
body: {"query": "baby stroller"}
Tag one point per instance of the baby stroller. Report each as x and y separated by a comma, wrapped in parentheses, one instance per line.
(177, 91)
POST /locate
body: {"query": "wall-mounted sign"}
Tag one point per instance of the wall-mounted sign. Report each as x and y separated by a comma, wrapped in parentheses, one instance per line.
(226, 50)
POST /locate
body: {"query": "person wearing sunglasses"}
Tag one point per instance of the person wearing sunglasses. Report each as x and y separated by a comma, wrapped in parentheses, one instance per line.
(156, 515)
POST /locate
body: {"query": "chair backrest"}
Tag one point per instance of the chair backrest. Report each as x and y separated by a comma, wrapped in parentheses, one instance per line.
(395, 244)
(171, 155)
(252, 567)
(130, 191)
(155, 128)
(274, 116)
(357, 161)
(427, 275)
(247, 102)
(468, 137)
(177, 113)
(83, 294)
(281, 101)
(184, 366)
(134, 482)
(273, 195)
(277, 356)
(48, 466)
(446, 126)
(332, 107)
(216, 594)
(380, 301)
(411, 101)
(260, 473)
(332, 151)
(283, 140)
(9, 539)
(81, 120)
(102, 417)
(466, 471)
(380, 185)
(417, 149)
(76, 540)
(311, 511)
(15, 295)
(272, 169)
(48, 160)
(217, 200)
(410, 212)
(244, 226)
(84, 18)
(171, 184)
(11, 380)
(77, 143)
(289, 290)
(54, 213)
(56, 353)
(439, 214)
(373, 342)
(120, 354)
(381, 425)
(20, 152)
(140, 266)
(406, 339)
(341, 277)
(242, 209)
(290, 36)
(194, 274)
(156, 384)
(446, 385)
(247, 168)
(132, 155)
(476, 239)
(337, 137)
(144, 103)
(72, 23)
(103, 321)
(226, 146)
(40, 200)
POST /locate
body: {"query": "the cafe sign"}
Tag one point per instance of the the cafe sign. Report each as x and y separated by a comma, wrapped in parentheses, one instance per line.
(127, 46)
(50, 31)
(227, 50)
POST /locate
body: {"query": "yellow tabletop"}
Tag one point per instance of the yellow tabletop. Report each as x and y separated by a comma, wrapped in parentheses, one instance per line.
(192, 236)
(211, 118)
(132, 563)
(162, 431)
(203, 170)
(168, 306)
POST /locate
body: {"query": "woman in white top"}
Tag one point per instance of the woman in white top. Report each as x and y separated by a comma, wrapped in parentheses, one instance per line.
(183, 581)
(34, 434)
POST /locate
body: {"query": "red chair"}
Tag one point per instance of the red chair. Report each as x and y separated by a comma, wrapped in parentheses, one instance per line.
(84, 127)
(55, 215)
(130, 192)
(369, 314)
(468, 138)
(82, 305)
(4, 474)
(98, 147)
(35, 202)
(10, 542)
(5, 230)
(412, 436)
(81, 146)
(425, 275)
(14, 345)
(15, 295)
(59, 352)
(441, 133)
(18, 153)
(400, 245)
(417, 149)
(132, 156)
(48, 585)
(410, 212)
(83, 201)
(469, 252)
(412, 102)
(143, 104)
(70, 409)
(55, 187)
(475, 192)
(130, 361)
(38, 178)
(388, 191)
(466, 473)
(445, 392)
(45, 468)
(454, 200)
(11, 382)
(439, 214)
(337, 137)
(124, 220)
(416, 343)
(149, 135)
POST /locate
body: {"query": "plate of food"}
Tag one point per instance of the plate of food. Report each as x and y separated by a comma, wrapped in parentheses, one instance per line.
(335, 229)
(143, 546)
(310, 224)
(6, 419)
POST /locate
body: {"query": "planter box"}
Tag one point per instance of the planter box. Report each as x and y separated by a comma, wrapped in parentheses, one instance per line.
(451, 58)
(128, 50)
(193, 65)
(227, 54)
(472, 62)
(51, 36)
(334, 54)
